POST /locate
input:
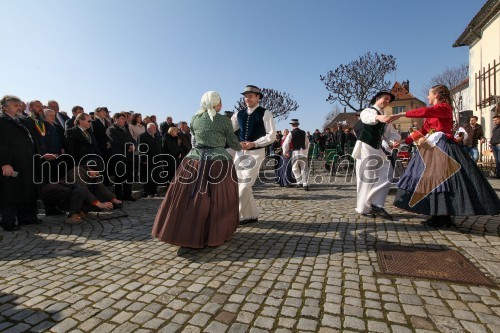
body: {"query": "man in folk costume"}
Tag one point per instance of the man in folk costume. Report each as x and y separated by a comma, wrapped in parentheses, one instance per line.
(300, 147)
(257, 130)
(372, 165)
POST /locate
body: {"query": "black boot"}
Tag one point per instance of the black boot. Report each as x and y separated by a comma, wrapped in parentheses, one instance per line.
(119, 191)
(440, 221)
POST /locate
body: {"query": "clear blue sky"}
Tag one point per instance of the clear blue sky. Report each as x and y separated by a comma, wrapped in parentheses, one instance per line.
(159, 57)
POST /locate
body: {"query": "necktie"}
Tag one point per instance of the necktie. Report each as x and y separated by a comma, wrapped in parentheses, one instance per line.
(87, 136)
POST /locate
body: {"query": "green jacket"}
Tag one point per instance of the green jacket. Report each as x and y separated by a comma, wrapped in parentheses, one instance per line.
(213, 134)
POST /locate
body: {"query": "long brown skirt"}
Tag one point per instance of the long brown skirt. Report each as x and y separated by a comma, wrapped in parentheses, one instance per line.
(200, 208)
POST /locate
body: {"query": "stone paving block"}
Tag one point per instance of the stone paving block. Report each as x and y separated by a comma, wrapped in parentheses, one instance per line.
(216, 327)
(89, 324)
(371, 313)
(421, 323)
(42, 327)
(473, 327)
(126, 328)
(170, 328)
(377, 326)
(400, 329)
(331, 321)
(444, 324)
(191, 329)
(286, 322)
(354, 323)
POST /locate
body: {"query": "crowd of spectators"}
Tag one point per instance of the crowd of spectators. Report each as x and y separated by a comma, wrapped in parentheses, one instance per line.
(80, 162)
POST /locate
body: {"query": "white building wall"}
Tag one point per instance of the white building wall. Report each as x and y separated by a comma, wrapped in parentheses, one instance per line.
(484, 52)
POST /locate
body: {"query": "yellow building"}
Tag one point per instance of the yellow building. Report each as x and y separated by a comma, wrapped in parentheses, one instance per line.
(482, 36)
(404, 101)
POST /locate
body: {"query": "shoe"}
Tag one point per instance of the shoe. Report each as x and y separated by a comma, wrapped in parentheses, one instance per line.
(34, 221)
(367, 214)
(75, 219)
(10, 227)
(306, 187)
(53, 212)
(129, 199)
(380, 211)
(248, 221)
(440, 221)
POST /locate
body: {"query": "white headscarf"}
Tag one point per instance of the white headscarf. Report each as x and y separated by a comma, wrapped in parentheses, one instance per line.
(208, 101)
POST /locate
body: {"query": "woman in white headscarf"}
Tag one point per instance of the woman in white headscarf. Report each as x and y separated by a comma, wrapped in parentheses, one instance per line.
(201, 205)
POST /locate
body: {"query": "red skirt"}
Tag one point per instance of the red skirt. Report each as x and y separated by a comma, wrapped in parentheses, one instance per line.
(201, 206)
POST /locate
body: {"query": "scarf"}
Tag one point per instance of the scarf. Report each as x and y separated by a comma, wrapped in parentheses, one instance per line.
(208, 101)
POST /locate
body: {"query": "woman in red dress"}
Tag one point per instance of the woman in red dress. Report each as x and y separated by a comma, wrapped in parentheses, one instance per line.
(441, 180)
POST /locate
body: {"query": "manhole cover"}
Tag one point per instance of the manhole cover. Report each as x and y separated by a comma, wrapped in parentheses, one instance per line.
(437, 264)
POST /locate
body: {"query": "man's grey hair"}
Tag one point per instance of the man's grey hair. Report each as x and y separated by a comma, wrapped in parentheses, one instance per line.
(47, 111)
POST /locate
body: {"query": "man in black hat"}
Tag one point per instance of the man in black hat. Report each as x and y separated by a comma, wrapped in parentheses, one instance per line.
(372, 165)
(300, 148)
(257, 130)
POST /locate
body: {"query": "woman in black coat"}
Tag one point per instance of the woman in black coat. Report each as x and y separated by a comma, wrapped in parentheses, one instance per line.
(171, 151)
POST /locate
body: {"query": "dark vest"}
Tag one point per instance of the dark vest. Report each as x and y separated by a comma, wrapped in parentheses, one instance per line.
(372, 134)
(251, 125)
(298, 139)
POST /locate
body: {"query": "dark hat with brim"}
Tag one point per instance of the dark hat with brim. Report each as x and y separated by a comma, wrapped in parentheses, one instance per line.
(294, 122)
(228, 113)
(252, 89)
(380, 93)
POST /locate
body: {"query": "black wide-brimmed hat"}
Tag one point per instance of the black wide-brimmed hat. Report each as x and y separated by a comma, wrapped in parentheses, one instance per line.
(294, 122)
(382, 92)
(252, 89)
(228, 114)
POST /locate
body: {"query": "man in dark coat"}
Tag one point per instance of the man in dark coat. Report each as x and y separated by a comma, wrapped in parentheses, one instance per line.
(52, 169)
(60, 117)
(340, 138)
(100, 124)
(164, 126)
(150, 166)
(70, 123)
(80, 142)
(18, 192)
(184, 139)
(122, 161)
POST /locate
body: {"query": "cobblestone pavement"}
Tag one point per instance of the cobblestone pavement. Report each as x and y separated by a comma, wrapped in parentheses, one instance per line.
(309, 264)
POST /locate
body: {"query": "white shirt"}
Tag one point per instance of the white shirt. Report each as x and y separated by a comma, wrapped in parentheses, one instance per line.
(60, 119)
(461, 130)
(268, 125)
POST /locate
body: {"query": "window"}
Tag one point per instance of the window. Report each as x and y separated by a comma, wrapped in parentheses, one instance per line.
(398, 109)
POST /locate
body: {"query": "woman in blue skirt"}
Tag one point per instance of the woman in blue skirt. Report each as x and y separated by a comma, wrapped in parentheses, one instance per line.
(441, 180)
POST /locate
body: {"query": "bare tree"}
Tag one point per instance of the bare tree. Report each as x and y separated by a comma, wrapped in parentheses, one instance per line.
(353, 85)
(451, 77)
(331, 115)
(279, 103)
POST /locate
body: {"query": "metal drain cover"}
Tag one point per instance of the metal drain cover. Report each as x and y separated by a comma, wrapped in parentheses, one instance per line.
(438, 264)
